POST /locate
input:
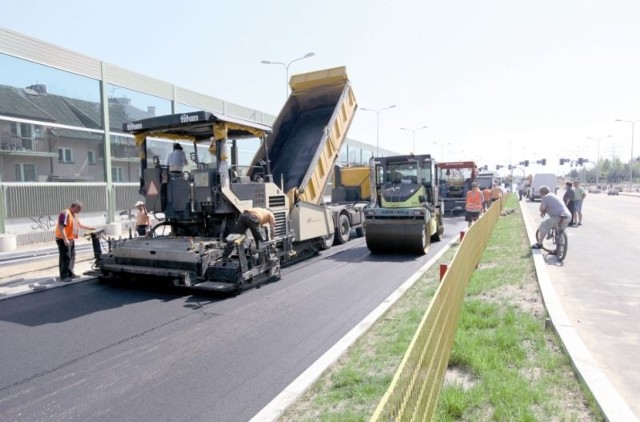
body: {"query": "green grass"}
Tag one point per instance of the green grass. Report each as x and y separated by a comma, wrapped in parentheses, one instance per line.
(504, 366)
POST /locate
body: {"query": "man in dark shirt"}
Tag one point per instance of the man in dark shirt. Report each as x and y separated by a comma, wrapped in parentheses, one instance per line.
(568, 198)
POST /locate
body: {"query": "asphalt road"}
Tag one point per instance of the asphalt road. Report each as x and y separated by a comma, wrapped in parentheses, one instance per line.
(599, 287)
(94, 352)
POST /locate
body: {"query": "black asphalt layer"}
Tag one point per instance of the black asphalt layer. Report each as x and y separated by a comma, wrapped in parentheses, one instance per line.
(102, 352)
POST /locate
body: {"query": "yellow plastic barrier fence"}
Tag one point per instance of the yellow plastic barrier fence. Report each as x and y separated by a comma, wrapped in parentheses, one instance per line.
(413, 393)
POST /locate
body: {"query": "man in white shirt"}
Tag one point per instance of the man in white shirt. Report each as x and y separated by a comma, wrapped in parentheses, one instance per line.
(177, 158)
(558, 214)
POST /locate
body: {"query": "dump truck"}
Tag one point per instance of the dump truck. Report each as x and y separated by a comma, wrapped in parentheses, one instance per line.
(307, 137)
(455, 178)
(407, 213)
(350, 195)
(201, 205)
(487, 179)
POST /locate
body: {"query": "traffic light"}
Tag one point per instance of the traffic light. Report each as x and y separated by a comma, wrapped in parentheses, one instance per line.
(498, 166)
(543, 161)
(510, 167)
(564, 160)
(580, 161)
(526, 163)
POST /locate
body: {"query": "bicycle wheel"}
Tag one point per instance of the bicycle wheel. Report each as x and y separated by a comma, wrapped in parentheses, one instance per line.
(562, 242)
(548, 243)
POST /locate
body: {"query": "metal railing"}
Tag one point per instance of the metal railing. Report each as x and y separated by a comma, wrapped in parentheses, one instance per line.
(27, 200)
(415, 388)
(13, 143)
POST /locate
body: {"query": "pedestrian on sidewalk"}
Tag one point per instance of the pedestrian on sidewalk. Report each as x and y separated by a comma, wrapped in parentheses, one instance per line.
(66, 232)
(568, 198)
(579, 194)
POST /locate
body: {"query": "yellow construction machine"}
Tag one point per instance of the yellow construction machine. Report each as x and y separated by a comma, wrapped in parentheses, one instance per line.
(407, 214)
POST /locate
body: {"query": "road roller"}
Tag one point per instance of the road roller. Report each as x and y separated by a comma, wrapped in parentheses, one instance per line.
(406, 213)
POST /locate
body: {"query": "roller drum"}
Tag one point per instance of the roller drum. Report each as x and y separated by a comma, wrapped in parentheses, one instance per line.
(388, 236)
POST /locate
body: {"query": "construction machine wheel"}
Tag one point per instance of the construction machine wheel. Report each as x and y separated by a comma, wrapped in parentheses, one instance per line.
(400, 237)
(437, 236)
(343, 229)
(327, 242)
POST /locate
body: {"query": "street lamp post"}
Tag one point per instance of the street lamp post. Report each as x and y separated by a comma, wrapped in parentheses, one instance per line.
(598, 163)
(633, 124)
(377, 111)
(286, 70)
(413, 135)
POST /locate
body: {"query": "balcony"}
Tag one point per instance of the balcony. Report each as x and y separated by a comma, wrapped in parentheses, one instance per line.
(33, 147)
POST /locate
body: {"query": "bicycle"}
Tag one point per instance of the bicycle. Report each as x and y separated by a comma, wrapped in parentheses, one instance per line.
(556, 241)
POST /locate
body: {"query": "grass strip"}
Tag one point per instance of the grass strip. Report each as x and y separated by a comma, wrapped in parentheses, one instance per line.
(505, 365)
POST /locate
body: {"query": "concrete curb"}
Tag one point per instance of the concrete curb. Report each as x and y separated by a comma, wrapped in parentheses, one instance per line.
(608, 399)
(277, 406)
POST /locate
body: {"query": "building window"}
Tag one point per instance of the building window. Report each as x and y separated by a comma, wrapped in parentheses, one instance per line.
(65, 155)
(116, 175)
(25, 133)
(91, 157)
(25, 172)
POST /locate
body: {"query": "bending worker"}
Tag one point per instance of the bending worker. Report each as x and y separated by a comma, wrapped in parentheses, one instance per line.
(252, 219)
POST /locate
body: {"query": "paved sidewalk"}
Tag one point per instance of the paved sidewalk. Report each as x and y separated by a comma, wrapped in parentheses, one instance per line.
(607, 397)
(42, 273)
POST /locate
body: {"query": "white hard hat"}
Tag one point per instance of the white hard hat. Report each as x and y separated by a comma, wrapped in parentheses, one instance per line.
(139, 203)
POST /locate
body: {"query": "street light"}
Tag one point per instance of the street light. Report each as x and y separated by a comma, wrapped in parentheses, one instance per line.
(598, 163)
(286, 69)
(633, 124)
(377, 111)
(413, 135)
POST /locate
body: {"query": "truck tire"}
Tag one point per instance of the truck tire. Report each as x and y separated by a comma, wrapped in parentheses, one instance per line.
(343, 229)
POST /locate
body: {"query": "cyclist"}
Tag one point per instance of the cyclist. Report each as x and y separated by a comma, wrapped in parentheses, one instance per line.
(558, 214)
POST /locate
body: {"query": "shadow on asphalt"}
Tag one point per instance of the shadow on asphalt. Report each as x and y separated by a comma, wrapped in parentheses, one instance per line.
(77, 300)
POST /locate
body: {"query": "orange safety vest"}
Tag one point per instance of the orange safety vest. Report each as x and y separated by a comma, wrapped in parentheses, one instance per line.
(68, 221)
(474, 201)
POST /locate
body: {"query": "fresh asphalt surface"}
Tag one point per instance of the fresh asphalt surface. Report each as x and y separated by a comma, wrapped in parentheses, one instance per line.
(102, 353)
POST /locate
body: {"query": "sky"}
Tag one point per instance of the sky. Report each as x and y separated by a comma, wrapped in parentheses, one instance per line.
(494, 81)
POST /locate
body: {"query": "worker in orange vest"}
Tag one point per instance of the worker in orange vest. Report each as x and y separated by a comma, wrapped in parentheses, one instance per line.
(473, 204)
(66, 232)
(496, 192)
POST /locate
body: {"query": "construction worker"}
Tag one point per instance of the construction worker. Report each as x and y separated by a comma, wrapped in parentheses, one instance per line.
(496, 192)
(252, 219)
(66, 232)
(486, 196)
(473, 204)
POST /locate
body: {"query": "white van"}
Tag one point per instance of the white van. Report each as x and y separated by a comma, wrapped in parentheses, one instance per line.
(541, 179)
